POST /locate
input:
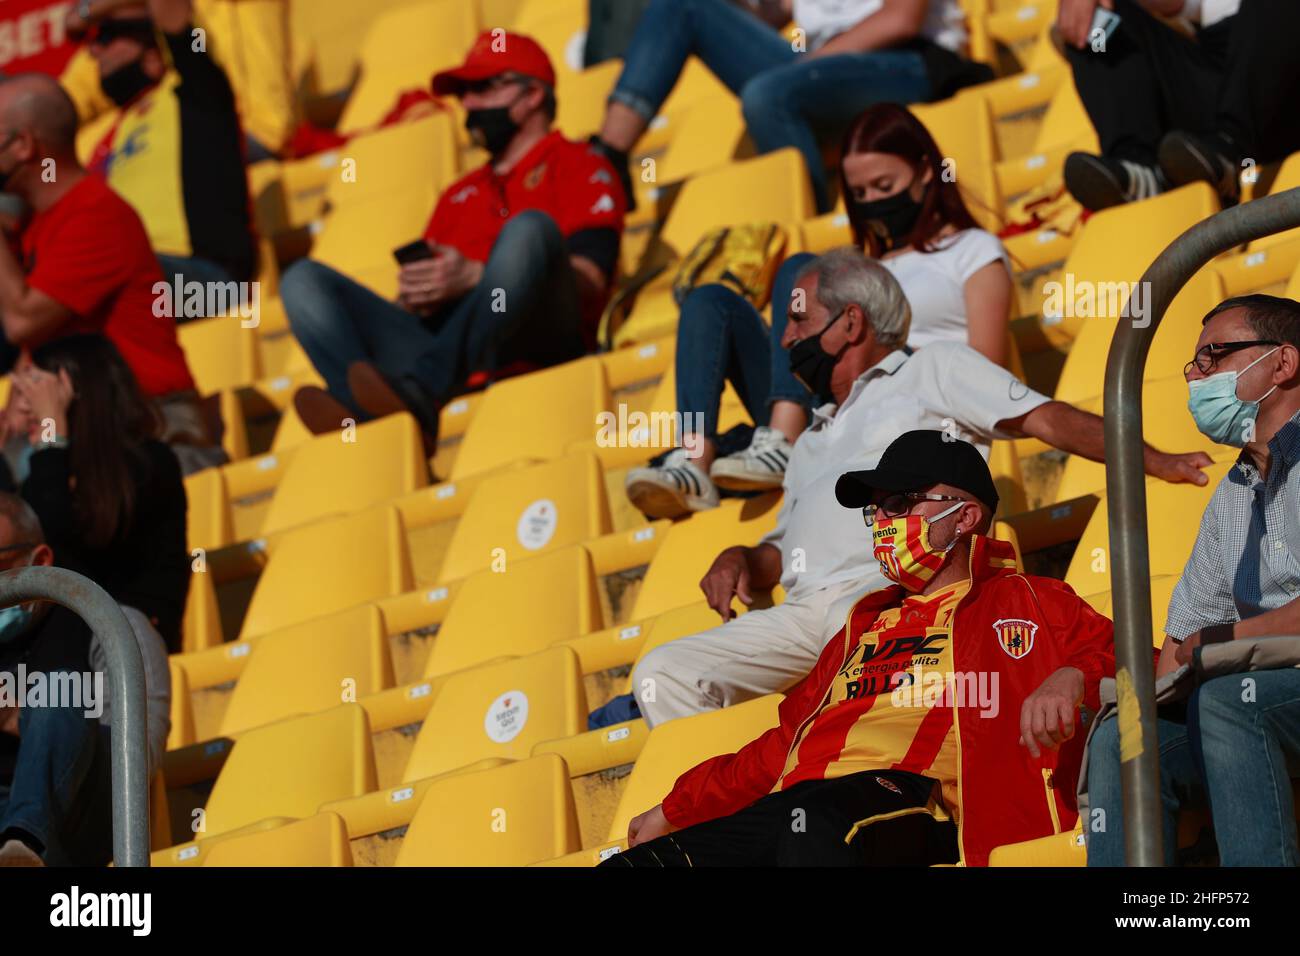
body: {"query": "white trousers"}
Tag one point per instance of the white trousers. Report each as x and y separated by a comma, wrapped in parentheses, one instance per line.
(758, 653)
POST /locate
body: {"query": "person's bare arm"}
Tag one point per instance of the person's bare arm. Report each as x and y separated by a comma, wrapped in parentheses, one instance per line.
(1073, 430)
(28, 315)
(988, 304)
(896, 22)
(738, 572)
(171, 16)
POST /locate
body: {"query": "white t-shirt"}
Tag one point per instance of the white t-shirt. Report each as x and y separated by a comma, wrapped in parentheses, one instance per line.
(935, 282)
(945, 387)
(821, 20)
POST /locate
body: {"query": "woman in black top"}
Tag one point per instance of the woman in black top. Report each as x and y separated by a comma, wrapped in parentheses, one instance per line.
(109, 494)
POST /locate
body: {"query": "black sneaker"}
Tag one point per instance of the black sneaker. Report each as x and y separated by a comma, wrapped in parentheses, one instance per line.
(622, 168)
(1186, 158)
(381, 395)
(1099, 182)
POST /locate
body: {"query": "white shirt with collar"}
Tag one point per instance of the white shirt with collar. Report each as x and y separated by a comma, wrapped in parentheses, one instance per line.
(946, 386)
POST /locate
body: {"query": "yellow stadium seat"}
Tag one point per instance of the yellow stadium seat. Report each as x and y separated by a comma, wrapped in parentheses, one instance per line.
(290, 768)
(1167, 424)
(220, 352)
(1288, 177)
(402, 50)
(535, 416)
(1064, 129)
(707, 137)
(1162, 589)
(690, 547)
(526, 607)
(1084, 374)
(1116, 246)
(309, 667)
(580, 99)
(500, 711)
(1060, 849)
(358, 239)
(320, 840)
(679, 622)
(963, 129)
(181, 714)
(201, 623)
(349, 471)
(501, 13)
(328, 566)
(524, 512)
(827, 232)
(678, 745)
(1173, 518)
(560, 27)
(507, 816)
(406, 157)
(207, 522)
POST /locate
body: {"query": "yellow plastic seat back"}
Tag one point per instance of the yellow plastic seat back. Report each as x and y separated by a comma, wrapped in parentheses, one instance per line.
(525, 608)
(1059, 849)
(690, 547)
(399, 159)
(535, 416)
(349, 470)
(220, 352)
(330, 565)
(321, 840)
(500, 710)
(310, 667)
(1162, 589)
(962, 127)
(524, 512)
(358, 239)
(208, 521)
(291, 767)
(507, 816)
(679, 745)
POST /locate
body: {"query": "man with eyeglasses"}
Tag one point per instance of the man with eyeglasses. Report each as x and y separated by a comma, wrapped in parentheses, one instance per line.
(1235, 744)
(939, 723)
(513, 270)
(848, 341)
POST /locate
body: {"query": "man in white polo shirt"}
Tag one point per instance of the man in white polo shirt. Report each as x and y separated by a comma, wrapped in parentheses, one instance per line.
(847, 324)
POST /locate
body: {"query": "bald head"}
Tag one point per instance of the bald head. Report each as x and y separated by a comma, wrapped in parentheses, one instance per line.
(36, 104)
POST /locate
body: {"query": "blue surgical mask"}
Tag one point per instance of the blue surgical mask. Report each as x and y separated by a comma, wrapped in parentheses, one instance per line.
(1219, 414)
(14, 621)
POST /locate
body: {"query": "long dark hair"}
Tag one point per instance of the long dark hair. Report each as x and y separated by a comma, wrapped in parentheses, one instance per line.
(109, 421)
(889, 128)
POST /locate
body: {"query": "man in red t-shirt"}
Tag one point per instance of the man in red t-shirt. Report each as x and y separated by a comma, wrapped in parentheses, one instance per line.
(84, 263)
(515, 266)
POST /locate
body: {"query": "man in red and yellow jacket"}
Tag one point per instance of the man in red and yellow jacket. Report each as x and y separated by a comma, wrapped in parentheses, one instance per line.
(939, 723)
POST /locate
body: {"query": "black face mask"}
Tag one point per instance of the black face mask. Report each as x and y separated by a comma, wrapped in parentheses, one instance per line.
(891, 220)
(812, 366)
(493, 129)
(125, 83)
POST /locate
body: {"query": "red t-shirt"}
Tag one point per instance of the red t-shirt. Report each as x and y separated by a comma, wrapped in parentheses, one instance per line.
(90, 253)
(568, 181)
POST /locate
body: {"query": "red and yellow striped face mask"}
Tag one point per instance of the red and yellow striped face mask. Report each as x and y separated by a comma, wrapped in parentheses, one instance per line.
(902, 546)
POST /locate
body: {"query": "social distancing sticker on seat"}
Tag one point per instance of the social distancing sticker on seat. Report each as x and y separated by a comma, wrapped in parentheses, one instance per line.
(506, 716)
(537, 524)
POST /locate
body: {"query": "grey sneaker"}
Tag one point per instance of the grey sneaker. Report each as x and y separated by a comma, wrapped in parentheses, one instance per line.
(675, 488)
(759, 467)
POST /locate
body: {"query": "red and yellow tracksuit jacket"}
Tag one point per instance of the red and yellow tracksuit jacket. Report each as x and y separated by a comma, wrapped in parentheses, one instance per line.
(1001, 633)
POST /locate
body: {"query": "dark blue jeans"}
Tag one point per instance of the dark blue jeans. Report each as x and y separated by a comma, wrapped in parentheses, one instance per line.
(788, 99)
(1238, 751)
(524, 307)
(721, 338)
(61, 792)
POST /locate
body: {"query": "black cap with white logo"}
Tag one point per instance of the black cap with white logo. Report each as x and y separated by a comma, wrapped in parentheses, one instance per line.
(916, 460)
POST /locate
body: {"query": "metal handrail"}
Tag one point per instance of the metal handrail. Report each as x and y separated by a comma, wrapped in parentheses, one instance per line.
(1126, 504)
(126, 689)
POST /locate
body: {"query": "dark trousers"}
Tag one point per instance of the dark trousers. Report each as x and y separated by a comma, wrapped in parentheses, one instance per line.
(1240, 80)
(815, 823)
(524, 307)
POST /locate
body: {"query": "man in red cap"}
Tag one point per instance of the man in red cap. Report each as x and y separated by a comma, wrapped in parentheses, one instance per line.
(514, 267)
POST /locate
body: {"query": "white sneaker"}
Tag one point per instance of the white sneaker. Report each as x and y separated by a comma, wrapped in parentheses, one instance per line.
(675, 488)
(759, 467)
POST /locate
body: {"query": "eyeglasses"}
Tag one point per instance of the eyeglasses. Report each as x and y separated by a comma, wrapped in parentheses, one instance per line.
(492, 83)
(899, 504)
(1207, 357)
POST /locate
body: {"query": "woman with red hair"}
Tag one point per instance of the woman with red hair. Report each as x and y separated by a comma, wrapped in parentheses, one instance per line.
(905, 209)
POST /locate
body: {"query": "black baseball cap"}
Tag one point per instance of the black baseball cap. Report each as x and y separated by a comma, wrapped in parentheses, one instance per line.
(916, 460)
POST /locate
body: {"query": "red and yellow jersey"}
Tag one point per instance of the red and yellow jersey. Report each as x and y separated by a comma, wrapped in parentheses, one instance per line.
(868, 721)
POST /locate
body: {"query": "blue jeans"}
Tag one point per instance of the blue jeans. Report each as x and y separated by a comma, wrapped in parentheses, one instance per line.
(524, 307)
(61, 792)
(721, 338)
(788, 99)
(1238, 754)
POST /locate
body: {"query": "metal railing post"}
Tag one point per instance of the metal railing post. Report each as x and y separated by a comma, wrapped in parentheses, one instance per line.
(126, 691)
(1126, 503)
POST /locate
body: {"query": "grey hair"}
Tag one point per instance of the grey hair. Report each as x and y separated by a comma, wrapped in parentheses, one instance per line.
(21, 517)
(846, 277)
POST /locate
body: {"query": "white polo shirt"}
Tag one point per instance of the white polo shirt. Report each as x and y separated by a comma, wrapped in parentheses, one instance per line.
(946, 386)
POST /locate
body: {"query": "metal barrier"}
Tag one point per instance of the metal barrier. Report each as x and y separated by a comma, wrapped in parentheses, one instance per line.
(1127, 502)
(126, 692)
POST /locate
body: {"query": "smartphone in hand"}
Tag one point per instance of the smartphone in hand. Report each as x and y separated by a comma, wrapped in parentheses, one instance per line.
(413, 252)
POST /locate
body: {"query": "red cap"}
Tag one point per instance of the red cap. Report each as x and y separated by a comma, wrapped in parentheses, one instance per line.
(493, 53)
